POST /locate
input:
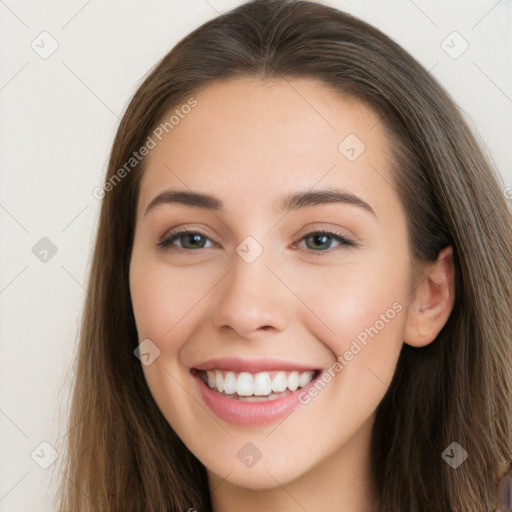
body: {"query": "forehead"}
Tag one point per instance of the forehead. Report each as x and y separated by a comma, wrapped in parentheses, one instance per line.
(248, 139)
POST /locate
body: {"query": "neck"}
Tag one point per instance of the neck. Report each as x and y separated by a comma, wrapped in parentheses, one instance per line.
(340, 482)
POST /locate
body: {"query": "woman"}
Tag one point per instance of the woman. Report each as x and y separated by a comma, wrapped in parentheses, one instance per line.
(340, 337)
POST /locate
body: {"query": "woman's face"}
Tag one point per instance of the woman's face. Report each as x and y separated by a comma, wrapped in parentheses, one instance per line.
(254, 300)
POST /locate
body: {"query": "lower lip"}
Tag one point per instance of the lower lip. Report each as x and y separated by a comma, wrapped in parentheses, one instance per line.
(240, 412)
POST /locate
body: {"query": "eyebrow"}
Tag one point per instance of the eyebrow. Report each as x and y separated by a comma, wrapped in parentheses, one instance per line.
(293, 201)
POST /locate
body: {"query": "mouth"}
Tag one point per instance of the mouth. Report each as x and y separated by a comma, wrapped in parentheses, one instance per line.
(246, 394)
(253, 387)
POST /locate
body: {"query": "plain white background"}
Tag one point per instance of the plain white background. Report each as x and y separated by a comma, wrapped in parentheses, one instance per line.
(58, 118)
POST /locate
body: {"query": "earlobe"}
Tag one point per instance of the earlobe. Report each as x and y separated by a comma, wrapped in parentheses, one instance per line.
(432, 301)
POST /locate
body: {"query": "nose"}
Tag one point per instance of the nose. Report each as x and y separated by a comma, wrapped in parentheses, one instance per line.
(251, 299)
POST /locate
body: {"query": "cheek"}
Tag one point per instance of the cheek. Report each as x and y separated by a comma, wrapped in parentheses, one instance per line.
(163, 301)
(151, 308)
(360, 314)
(357, 297)
(363, 320)
(163, 297)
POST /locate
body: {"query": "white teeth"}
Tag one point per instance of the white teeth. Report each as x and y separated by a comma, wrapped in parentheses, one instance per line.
(244, 384)
(248, 386)
(262, 384)
(219, 381)
(305, 378)
(293, 381)
(279, 382)
(229, 383)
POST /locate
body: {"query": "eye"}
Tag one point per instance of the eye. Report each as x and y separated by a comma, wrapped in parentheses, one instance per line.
(194, 240)
(323, 240)
(190, 237)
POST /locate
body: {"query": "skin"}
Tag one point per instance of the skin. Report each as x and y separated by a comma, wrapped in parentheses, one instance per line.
(248, 142)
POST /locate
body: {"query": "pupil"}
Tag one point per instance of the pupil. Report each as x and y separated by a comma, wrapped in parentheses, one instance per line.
(320, 239)
(194, 238)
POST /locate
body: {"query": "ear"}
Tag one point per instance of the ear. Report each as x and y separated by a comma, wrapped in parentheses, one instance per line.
(432, 301)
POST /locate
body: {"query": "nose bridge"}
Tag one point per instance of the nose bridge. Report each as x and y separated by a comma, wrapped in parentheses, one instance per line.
(251, 296)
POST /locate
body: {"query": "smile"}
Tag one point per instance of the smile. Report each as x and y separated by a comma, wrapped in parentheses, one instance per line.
(252, 393)
(266, 385)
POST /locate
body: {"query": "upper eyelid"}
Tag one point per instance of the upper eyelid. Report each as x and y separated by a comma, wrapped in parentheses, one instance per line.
(317, 226)
(177, 233)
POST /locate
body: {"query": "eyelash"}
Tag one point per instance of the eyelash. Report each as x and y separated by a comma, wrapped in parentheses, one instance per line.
(166, 242)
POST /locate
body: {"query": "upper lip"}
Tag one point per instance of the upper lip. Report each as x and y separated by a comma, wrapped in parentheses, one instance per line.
(237, 364)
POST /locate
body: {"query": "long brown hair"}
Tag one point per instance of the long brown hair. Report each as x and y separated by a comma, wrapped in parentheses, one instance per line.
(122, 455)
